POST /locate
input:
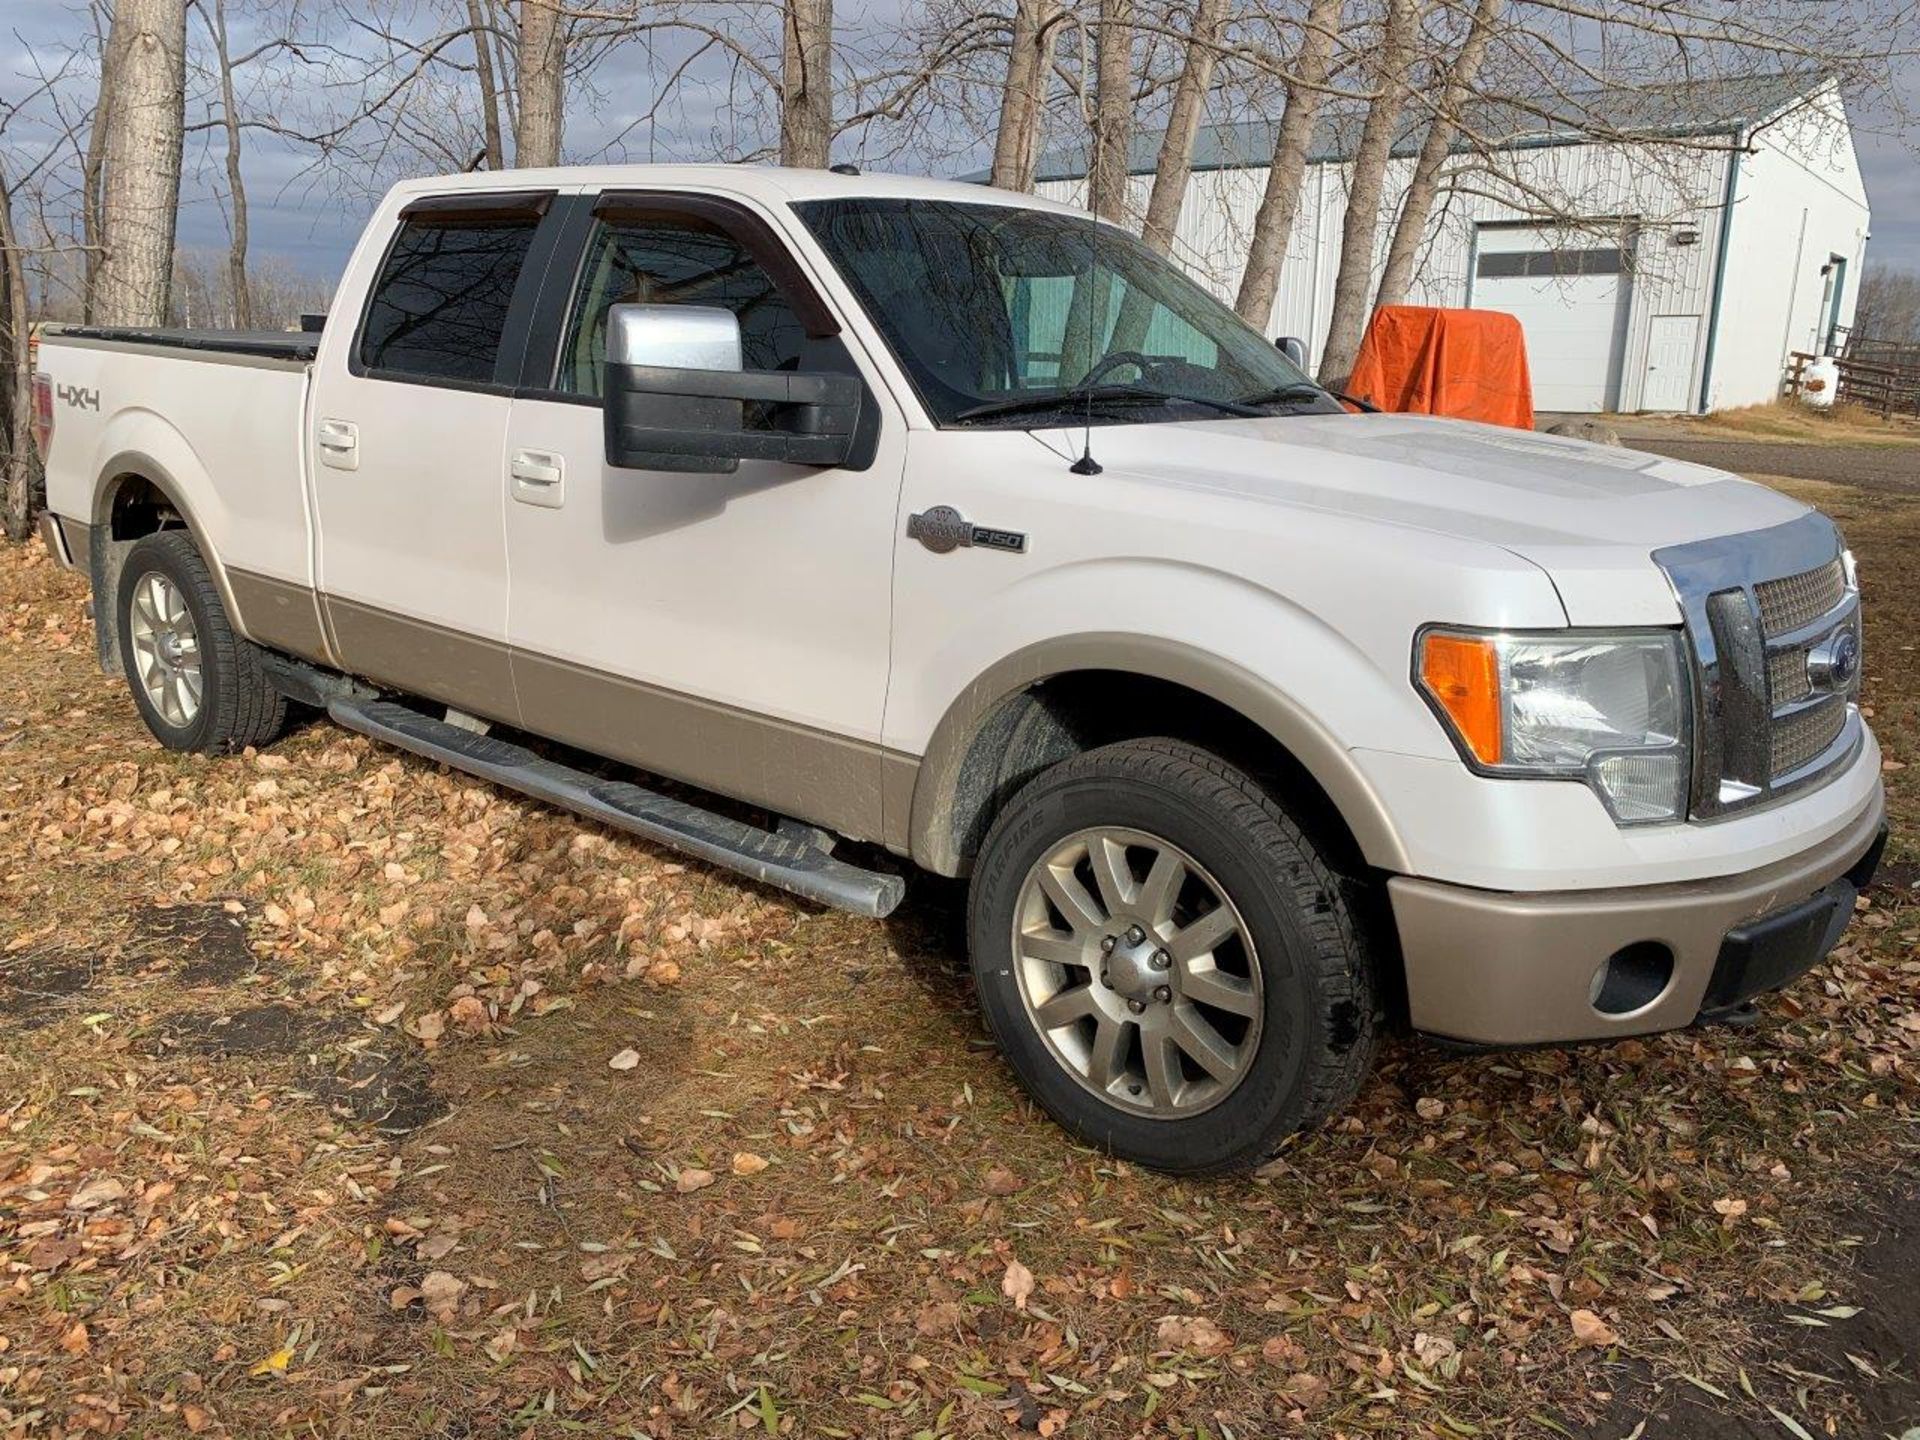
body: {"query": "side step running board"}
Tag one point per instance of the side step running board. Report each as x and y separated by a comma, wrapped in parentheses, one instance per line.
(774, 859)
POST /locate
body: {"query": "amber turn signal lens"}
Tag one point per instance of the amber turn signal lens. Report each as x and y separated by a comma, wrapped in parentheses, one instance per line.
(1462, 673)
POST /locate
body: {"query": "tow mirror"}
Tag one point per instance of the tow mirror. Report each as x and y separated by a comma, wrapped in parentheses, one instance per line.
(1294, 348)
(676, 397)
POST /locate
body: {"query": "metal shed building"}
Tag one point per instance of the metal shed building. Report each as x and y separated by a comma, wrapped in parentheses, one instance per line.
(1671, 272)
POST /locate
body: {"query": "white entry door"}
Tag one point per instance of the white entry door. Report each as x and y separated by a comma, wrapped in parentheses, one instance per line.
(1670, 346)
(1569, 290)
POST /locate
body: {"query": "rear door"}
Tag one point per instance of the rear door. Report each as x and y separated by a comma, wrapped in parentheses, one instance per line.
(727, 630)
(408, 429)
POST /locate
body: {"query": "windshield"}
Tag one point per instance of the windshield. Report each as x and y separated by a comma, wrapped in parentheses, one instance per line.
(1009, 316)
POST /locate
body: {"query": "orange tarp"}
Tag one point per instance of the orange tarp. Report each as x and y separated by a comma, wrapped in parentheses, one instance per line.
(1471, 364)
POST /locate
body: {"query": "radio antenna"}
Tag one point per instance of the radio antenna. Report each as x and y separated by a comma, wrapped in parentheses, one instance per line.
(1086, 464)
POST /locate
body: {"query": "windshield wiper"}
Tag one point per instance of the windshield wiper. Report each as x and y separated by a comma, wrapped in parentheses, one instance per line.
(1281, 394)
(1076, 396)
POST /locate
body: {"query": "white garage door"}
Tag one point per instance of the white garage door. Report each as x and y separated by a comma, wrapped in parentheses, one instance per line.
(1569, 290)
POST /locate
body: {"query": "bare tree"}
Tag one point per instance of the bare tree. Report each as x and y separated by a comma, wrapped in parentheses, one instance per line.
(1016, 145)
(1424, 187)
(806, 89)
(1888, 307)
(215, 15)
(489, 86)
(543, 66)
(19, 466)
(145, 128)
(1175, 165)
(1287, 169)
(1113, 110)
(1353, 283)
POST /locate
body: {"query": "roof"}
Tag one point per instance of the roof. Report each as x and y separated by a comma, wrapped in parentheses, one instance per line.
(1692, 108)
(770, 184)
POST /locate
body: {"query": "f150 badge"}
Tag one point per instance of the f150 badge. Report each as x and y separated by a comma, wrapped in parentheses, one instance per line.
(77, 396)
(944, 528)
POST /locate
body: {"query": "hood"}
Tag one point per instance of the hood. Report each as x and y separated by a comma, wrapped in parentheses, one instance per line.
(1589, 515)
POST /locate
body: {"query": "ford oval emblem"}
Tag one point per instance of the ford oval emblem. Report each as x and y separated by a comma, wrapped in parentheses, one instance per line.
(1834, 664)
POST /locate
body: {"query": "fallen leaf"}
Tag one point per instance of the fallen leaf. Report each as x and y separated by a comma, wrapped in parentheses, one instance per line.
(1194, 1334)
(688, 1181)
(1590, 1329)
(274, 1364)
(442, 1293)
(470, 1013)
(1017, 1284)
(96, 1193)
(76, 1341)
(625, 1060)
(1428, 1108)
(747, 1163)
(1002, 1181)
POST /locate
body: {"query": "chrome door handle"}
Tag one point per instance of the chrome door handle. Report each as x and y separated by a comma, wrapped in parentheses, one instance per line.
(538, 477)
(339, 442)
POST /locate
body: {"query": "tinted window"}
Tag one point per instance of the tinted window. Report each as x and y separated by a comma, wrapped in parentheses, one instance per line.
(674, 262)
(1552, 264)
(990, 305)
(440, 304)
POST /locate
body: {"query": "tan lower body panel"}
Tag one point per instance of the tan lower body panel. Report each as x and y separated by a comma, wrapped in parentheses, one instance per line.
(280, 614)
(826, 779)
(1505, 968)
(829, 780)
(422, 658)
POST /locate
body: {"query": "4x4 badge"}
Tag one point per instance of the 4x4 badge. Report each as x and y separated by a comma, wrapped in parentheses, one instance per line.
(944, 528)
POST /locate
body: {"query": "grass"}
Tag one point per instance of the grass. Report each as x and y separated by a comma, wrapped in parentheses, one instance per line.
(1789, 420)
(372, 1173)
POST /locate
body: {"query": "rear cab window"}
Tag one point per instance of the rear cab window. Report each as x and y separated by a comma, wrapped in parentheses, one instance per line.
(442, 305)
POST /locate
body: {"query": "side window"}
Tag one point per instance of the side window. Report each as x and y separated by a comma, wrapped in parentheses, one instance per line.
(440, 304)
(674, 262)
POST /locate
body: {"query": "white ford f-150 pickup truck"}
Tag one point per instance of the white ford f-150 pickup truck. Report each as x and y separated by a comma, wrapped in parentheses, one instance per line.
(948, 521)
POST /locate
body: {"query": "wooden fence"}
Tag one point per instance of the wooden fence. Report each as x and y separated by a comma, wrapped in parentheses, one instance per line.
(1884, 379)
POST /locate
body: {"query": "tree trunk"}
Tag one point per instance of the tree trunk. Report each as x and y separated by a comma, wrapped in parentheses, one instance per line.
(1113, 111)
(19, 465)
(1287, 170)
(242, 297)
(806, 99)
(1175, 165)
(93, 168)
(1353, 285)
(1424, 188)
(543, 65)
(489, 88)
(141, 198)
(1016, 145)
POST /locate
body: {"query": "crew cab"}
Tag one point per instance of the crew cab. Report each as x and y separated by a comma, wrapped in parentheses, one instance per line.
(826, 526)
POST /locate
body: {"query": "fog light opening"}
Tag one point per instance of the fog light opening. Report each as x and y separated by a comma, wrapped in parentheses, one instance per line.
(1633, 978)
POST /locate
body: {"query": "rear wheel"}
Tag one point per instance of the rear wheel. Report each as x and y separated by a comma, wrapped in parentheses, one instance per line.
(1166, 960)
(197, 683)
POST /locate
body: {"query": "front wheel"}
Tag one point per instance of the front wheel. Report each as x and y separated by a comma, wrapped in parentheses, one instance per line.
(1167, 962)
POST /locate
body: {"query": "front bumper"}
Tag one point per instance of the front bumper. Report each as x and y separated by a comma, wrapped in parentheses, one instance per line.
(1507, 968)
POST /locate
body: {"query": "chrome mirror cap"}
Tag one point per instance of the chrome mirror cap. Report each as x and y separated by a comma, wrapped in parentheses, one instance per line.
(675, 337)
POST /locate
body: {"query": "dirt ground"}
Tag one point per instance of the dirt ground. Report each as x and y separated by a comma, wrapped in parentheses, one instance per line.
(340, 1095)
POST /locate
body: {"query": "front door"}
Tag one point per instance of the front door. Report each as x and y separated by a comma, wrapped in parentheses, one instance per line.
(726, 630)
(407, 433)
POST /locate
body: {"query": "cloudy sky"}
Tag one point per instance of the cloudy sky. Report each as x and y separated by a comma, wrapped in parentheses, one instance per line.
(309, 219)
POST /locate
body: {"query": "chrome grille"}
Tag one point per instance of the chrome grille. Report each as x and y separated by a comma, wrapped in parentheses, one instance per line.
(1787, 675)
(1796, 601)
(1801, 738)
(1757, 609)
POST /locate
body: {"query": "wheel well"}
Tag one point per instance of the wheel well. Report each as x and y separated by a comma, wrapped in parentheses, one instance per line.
(138, 507)
(1066, 714)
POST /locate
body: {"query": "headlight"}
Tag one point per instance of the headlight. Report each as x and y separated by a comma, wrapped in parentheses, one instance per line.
(1607, 708)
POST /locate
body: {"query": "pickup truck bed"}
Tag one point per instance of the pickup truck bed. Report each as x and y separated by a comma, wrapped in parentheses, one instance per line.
(270, 344)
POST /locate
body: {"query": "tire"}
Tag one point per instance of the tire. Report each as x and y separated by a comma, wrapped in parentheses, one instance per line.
(236, 705)
(1295, 969)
